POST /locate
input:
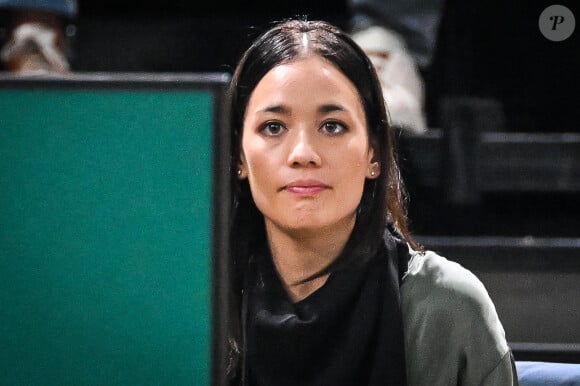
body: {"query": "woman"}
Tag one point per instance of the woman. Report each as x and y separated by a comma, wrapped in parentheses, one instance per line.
(323, 291)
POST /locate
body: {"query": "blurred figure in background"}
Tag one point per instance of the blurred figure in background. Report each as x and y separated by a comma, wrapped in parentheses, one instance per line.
(35, 35)
(399, 37)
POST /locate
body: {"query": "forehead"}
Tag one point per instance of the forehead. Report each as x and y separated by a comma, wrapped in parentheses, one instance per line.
(310, 80)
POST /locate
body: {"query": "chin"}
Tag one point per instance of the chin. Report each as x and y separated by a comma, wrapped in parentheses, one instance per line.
(311, 225)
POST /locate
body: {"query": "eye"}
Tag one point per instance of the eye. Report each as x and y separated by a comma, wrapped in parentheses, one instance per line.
(333, 128)
(272, 129)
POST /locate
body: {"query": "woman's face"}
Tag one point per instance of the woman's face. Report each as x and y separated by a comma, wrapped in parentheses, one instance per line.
(305, 148)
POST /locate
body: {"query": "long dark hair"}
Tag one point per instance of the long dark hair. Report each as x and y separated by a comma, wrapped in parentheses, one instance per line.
(383, 198)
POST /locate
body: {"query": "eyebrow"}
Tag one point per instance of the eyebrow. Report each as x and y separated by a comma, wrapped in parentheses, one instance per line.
(281, 109)
(325, 109)
(278, 109)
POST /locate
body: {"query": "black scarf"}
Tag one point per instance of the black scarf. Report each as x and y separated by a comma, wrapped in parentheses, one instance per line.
(347, 333)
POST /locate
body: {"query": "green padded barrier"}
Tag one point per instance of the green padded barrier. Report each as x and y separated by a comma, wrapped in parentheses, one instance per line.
(106, 234)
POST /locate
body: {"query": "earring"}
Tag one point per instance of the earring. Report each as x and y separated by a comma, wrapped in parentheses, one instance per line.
(374, 167)
(239, 172)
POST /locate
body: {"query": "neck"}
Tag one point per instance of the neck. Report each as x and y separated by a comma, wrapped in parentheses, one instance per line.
(297, 255)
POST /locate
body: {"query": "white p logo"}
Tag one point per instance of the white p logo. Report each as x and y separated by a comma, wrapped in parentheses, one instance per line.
(557, 20)
(557, 23)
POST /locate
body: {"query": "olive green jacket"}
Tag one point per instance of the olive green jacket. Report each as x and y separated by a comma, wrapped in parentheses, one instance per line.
(453, 335)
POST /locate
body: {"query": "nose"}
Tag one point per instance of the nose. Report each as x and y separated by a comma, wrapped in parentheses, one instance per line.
(303, 150)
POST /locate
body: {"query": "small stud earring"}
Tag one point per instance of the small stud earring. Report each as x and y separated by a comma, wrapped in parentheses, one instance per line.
(239, 172)
(372, 173)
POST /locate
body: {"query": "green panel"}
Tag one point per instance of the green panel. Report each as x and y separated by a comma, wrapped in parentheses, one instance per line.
(105, 237)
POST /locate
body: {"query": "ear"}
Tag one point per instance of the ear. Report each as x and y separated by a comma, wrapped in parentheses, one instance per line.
(242, 169)
(374, 169)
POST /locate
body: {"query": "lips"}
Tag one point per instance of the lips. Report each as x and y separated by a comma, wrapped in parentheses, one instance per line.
(306, 187)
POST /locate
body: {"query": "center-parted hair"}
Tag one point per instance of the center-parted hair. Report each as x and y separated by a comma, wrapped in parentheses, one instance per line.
(383, 198)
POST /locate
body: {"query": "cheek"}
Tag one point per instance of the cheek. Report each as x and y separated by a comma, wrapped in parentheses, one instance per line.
(349, 170)
(253, 157)
(353, 159)
(260, 169)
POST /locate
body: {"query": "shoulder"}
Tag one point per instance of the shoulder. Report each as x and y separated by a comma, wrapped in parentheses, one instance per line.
(438, 278)
(445, 289)
(452, 331)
